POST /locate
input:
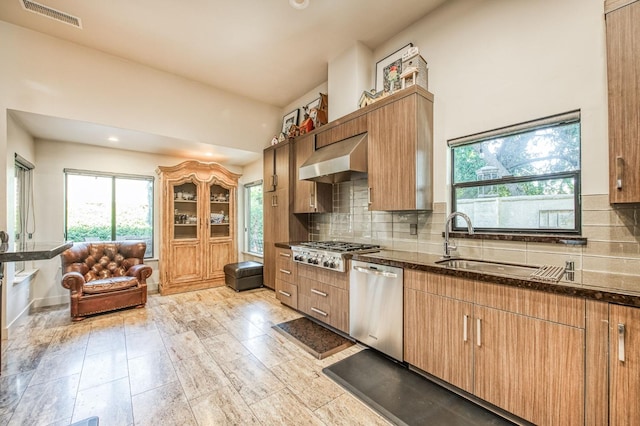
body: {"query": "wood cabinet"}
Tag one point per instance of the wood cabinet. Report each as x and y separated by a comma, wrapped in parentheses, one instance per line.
(624, 365)
(276, 167)
(286, 278)
(198, 231)
(309, 197)
(623, 70)
(518, 349)
(340, 129)
(400, 144)
(279, 222)
(324, 295)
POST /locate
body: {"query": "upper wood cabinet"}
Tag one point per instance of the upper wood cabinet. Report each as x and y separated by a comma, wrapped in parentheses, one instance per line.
(198, 228)
(276, 167)
(400, 153)
(623, 67)
(309, 197)
(340, 129)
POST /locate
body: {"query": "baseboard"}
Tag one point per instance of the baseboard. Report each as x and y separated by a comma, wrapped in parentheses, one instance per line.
(11, 327)
(50, 301)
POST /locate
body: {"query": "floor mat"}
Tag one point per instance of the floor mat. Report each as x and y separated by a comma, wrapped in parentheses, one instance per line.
(403, 396)
(312, 337)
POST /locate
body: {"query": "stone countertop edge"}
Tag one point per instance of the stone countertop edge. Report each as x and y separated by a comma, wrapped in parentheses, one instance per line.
(426, 262)
(35, 254)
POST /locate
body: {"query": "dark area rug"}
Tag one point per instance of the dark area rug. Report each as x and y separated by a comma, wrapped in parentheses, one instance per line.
(319, 341)
(403, 396)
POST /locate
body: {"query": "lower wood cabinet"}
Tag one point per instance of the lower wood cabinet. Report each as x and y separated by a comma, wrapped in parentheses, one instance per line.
(518, 349)
(286, 277)
(323, 294)
(624, 365)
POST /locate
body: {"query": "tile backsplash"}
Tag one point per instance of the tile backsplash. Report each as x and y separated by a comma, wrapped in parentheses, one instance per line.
(611, 258)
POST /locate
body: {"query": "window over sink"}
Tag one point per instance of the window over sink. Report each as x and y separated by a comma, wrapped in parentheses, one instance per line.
(523, 178)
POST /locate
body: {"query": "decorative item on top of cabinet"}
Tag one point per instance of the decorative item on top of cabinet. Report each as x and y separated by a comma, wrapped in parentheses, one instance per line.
(401, 139)
(308, 196)
(623, 68)
(198, 229)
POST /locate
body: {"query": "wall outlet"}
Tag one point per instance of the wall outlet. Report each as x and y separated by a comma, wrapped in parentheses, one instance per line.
(413, 229)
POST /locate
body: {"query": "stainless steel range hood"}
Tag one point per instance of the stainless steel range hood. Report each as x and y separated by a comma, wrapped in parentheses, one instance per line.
(338, 162)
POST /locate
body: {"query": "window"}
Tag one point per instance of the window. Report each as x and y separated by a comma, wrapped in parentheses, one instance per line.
(253, 218)
(107, 207)
(24, 225)
(523, 178)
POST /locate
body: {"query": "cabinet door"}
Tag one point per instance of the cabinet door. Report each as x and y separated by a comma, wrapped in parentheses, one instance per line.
(529, 367)
(342, 131)
(219, 214)
(309, 197)
(282, 167)
(220, 253)
(438, 337)
(186, 211)
(623, 69)
(276, 229)
(624, 365)
(392, 156)
(269, 170)
(185, 258)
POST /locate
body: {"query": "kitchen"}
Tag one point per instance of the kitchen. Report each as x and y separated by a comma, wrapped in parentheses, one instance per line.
(490, 65)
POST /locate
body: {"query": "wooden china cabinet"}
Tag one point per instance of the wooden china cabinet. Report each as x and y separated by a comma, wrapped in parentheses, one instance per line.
(198, 225)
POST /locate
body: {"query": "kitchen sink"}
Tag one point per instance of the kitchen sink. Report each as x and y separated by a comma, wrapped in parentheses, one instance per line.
(489, 267)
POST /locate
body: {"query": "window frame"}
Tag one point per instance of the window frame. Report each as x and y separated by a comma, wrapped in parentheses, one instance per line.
(526, 127)
(113, 208)
(24, 209)
(247, 216)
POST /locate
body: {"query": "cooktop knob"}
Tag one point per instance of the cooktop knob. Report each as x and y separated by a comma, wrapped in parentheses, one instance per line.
(332, 265)
(326, 263)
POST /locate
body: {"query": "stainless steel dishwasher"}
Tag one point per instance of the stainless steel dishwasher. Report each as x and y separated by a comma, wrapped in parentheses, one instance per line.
(375, 307)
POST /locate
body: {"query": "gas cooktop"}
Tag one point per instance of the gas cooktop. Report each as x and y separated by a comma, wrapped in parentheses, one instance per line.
(339, 246)
(328, 254)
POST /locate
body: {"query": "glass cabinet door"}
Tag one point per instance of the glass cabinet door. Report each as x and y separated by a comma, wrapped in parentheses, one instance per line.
(185, 211)
(219, 211)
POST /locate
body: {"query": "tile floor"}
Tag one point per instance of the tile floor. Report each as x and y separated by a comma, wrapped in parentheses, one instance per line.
(201, 358)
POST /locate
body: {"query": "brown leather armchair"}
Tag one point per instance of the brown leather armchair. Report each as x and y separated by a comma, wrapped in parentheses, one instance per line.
(104, 276)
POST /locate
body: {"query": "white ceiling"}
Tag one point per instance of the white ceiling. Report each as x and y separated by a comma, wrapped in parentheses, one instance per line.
(262, 49)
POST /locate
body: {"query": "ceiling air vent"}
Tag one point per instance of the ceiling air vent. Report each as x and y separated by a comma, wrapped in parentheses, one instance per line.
(49, 12)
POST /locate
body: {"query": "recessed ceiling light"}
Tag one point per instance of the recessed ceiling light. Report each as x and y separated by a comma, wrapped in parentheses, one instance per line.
(299, 4)
(209, 154)
(113, 139)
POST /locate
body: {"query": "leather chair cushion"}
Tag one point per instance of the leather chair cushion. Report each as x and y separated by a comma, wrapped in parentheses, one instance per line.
(109, 284)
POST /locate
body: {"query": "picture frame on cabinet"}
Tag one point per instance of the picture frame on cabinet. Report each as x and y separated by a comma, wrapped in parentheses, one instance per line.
(289, 120)
(388, 71)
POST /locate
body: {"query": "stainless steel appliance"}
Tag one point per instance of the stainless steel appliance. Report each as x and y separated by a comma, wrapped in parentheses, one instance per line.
(376, 307)
(328, 254)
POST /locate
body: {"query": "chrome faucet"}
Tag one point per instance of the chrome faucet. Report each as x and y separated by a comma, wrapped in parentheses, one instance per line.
(447, 245)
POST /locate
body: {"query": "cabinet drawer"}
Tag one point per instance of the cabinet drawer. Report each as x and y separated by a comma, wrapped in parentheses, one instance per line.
(326, 276)
(287, 293)
(286, 268)
(324, 302)
(537, 304)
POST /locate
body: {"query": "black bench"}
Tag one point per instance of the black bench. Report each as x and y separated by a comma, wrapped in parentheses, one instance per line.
(243, 275)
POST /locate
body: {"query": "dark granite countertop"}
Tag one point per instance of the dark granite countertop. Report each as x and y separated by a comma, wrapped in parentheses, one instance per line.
(34, 251)
(426, 262)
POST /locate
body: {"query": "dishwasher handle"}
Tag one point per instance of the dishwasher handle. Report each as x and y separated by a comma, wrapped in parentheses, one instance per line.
(375, 272)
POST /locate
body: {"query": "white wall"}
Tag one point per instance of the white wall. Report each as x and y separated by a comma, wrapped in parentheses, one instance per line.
(493, 63)
(349, 75)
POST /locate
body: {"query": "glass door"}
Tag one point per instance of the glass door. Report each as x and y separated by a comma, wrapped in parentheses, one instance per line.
(219, 211)
(185, 211)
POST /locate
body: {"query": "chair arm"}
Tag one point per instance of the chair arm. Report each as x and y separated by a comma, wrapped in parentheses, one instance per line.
(73, 281)
(141, 272)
